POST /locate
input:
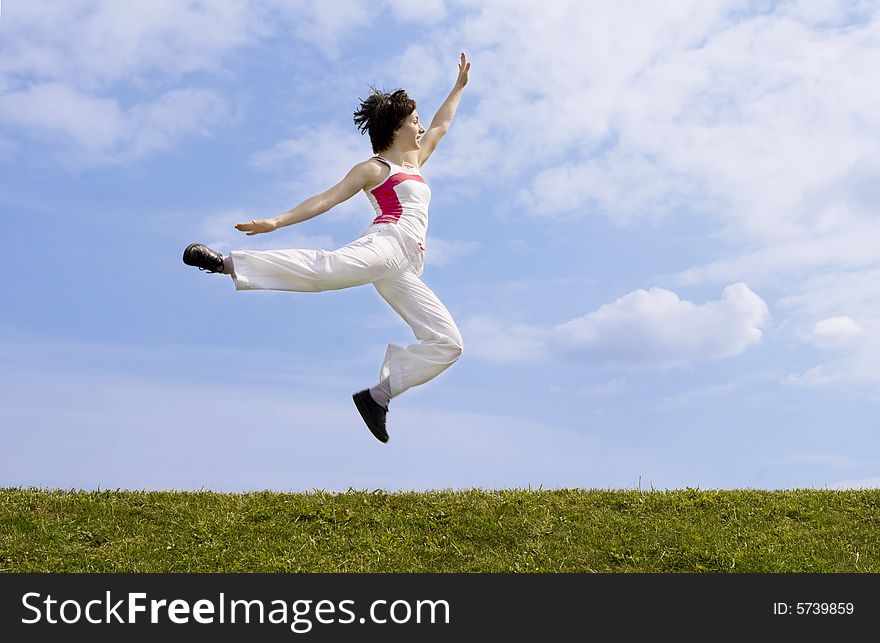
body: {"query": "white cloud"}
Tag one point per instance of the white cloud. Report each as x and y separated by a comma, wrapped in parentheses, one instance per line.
(653, 328)
(101, 130)
(656, 327)
(94, 123)
(324, 24)
(62, 66)
(835, 332)
(94, 43)
(420, 69)
(549, 78)
(177, 113)
(621, 184)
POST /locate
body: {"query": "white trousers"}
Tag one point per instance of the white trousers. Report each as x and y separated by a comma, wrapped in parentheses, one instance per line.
(392, 262)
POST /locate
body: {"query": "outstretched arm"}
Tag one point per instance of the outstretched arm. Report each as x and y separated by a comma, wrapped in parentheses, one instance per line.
(359, 177)
(443, 117)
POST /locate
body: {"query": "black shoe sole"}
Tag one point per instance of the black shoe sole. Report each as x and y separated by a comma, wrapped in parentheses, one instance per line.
(364, 410)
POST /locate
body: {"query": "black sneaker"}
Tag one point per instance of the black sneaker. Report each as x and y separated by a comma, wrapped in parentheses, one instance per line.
(373, 414)
(203, 258)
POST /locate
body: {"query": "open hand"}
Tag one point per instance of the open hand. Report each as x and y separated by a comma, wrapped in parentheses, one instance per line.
(256, 226)
(463, 68)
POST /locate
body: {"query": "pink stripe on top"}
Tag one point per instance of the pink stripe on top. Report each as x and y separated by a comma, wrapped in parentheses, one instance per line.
(389, 205)
(402, 200)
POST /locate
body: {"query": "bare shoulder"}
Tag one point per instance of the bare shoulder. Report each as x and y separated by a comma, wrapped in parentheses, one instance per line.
(370, 172)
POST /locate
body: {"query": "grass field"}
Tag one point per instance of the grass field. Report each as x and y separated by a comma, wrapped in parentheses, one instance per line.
(691, 530)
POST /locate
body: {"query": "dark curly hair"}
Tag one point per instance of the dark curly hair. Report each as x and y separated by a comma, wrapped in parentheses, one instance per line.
(382, 114)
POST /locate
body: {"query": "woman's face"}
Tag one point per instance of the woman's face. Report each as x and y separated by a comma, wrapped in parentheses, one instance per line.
(410, 132)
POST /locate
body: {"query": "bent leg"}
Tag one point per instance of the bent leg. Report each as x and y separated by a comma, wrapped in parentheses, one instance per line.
(362, 261)
(440, 343)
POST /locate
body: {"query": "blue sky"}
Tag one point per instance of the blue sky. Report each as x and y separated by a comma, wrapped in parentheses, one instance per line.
(655, 223)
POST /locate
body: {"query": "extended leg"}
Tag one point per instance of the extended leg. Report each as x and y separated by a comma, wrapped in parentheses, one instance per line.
(362, 261)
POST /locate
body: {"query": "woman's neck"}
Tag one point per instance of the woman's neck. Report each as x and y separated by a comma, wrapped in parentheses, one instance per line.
(394, 155)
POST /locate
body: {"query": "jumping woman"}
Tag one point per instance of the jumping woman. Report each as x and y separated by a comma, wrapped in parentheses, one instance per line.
(389, 254)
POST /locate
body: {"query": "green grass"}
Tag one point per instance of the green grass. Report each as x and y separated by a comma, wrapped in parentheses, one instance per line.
(691, 530)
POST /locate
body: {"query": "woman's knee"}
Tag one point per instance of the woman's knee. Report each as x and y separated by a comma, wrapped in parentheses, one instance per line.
(454, 347)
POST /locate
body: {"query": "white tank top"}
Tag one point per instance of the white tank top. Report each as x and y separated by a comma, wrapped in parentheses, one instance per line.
(402, 199)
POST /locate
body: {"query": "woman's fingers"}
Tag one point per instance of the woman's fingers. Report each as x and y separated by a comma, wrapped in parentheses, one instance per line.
(256, 226)
(251, 227)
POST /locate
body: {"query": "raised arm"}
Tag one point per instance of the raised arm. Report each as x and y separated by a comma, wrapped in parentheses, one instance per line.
(359, 177)
(443, 118)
